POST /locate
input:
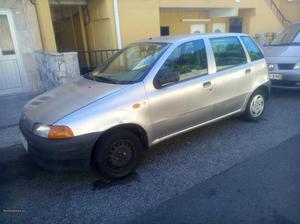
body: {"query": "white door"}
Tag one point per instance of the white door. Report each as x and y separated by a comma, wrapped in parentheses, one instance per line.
(198, 28)
(219, 28)
(11, 72)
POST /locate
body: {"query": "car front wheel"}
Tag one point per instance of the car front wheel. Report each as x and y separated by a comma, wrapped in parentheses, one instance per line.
(256, 106)
(118, 154)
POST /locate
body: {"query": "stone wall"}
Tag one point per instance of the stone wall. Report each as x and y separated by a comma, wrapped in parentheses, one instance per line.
(43, 70)
(28, 37)
(56, 69)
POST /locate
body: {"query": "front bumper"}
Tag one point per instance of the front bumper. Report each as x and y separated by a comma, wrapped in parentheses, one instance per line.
(60, 154)
(290, 79)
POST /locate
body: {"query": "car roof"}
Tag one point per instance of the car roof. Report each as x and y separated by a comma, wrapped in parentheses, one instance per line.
(187, 37)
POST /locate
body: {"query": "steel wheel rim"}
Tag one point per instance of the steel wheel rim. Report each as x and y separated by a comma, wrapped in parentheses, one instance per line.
(120, 154)
(257, 105)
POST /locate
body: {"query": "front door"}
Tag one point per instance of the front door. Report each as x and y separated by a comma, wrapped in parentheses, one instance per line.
(11, 79)
(186, 102)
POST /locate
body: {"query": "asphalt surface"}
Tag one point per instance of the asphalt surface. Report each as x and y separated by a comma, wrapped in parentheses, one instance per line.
(169, 171)
(263, 189)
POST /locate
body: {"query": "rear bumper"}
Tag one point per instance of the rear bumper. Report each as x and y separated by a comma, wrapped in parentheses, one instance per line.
(61, 154)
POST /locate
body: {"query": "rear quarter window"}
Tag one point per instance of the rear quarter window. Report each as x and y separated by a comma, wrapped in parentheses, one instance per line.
(228, 52)
(254, 52)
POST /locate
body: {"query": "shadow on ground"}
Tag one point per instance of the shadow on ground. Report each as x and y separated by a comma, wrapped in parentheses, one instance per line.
(18, 165)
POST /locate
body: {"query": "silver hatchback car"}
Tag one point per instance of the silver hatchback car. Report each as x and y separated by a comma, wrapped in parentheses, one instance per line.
(148, 92)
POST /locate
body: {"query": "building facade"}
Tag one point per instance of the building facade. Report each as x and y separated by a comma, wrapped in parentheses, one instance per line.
(34, 31)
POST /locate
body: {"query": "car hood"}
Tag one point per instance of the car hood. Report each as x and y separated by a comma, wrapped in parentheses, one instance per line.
(55, 104)
(282, 53)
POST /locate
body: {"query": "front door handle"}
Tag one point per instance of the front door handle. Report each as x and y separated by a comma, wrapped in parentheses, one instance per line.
(248, 71)
(207, 84)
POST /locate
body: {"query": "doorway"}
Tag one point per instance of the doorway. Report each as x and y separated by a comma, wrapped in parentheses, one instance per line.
(164, 31)
(12, 78)
(236, 25)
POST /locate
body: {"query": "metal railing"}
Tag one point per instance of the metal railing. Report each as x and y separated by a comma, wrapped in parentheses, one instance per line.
(282, 19)
(89, 60)
(264, 38)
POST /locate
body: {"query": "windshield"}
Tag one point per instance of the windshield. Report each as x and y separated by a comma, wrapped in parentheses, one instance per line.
(287, 36)
(130, 64)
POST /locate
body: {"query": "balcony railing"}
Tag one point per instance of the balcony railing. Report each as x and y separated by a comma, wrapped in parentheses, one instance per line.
(282, 19)
(89, 60)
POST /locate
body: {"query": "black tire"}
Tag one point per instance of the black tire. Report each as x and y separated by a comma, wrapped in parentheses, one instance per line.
(249, 115)
(118, 153)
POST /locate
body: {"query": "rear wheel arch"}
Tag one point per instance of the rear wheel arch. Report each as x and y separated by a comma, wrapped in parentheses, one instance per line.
(265, 89)
(256, 104)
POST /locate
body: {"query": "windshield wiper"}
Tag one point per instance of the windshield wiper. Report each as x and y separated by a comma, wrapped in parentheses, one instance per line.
(112, 81)
(103, 79)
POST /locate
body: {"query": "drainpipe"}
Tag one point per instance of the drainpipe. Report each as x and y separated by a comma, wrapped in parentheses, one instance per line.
(117, 23)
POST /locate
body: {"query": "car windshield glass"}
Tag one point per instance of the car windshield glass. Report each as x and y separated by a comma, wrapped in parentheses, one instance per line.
(287, 36)
(130, 64)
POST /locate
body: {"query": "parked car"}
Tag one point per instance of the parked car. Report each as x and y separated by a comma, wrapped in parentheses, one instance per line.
(148, 92)
(283, 58)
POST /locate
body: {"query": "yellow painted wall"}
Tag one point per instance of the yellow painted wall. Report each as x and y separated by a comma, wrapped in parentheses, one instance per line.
(258, 16)
(100, 30)
(291, 10)
(138, 20)
(205, 3)
(46, 26)
(173, 19)
(263, 19)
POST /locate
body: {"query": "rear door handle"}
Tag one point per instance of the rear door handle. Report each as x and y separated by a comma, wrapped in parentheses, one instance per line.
(207, 84)
(248, 71)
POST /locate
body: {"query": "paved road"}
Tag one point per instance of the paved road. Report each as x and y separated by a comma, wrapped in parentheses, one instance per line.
(168, 171)
(263, 189)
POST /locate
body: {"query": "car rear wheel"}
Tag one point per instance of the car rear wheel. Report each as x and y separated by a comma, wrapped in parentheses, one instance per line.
(256, 106)
(118, 154)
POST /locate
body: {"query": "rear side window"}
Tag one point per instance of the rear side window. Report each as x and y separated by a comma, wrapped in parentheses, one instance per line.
(254, 52)
(228, 52)
(189, 59)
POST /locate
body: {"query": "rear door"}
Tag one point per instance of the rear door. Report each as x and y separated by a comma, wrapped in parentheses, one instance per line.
(233, 77)
(258, 62)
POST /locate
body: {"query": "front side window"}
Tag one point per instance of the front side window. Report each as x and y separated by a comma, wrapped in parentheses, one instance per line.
(228, 52)
(130, 64)
(253, 50)
(189, 60)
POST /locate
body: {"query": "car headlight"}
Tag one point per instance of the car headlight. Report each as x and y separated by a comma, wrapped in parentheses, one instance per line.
(297, 66)
(271, 67)
(53, 132)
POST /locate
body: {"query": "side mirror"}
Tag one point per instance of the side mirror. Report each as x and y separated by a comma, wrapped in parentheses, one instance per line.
(166, 78)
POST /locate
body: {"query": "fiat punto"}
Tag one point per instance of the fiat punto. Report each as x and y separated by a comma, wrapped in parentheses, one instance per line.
(148, 92)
